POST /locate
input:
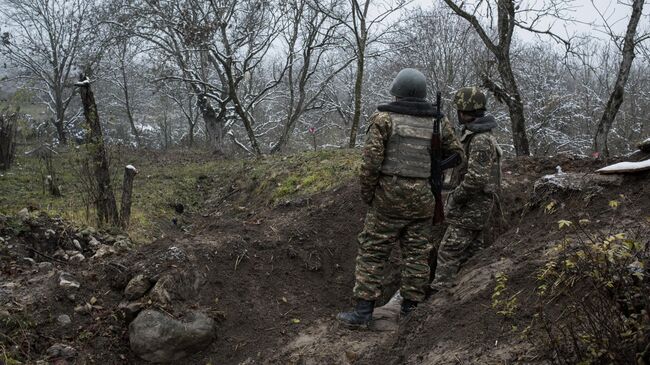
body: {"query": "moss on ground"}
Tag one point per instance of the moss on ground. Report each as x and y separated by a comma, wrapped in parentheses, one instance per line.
(166, 179)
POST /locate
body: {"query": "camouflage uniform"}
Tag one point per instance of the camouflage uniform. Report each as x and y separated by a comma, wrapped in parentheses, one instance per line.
(470, 204)
(401, 207)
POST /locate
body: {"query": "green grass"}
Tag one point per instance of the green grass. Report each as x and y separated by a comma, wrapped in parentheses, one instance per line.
(187, 177)
(281, 178)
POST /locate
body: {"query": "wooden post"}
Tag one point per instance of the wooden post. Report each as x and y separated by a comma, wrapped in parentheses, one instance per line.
(127, 189)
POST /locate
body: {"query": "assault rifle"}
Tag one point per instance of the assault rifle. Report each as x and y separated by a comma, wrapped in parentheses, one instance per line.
(436, 170)
(438, 165)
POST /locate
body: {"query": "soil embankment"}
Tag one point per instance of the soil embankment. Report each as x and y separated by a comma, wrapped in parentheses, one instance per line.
(274, 276)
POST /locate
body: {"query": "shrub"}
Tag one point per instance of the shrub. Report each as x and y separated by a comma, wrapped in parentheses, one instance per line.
(593, 302)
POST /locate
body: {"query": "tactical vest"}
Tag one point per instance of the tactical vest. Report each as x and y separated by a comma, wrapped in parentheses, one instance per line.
(407, 150)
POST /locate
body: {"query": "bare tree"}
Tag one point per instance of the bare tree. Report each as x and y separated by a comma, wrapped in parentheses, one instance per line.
(125, 52)
(309, 37)
(45, 38)
(244, 35)
(616, 97)
(186, 102)
(181, 32)
(366, 22)
(509, 16)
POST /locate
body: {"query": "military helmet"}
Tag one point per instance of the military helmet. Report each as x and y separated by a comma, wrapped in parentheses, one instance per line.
(409, 83)
(470, 99)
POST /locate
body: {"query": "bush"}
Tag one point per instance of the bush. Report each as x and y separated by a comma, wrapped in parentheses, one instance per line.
(593, 302)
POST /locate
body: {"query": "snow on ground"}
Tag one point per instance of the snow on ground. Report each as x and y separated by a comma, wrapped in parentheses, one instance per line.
(626, 167)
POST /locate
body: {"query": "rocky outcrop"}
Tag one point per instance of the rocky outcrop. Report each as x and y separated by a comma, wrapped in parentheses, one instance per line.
(159, 338)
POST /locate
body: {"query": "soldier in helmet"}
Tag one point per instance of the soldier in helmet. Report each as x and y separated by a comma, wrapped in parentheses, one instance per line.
(394, 183)
(478, 180)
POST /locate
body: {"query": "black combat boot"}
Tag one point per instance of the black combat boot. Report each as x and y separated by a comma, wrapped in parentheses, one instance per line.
(407, 307)
(360, 316)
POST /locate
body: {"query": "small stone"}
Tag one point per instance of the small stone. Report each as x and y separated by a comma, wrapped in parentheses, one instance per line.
(83, 309)
(64, 320)
(45, 265)
(103, 250)
(66, 281)
(60, 350)
(4, 314)
(159, 294)
(10, 285)
(76, 244)
(49, 233)
(131, 310)
(29, 260)
(124, 244)
(23, 214)
(93, 241)
(72, 297)
(137, 287)
(61, 255)
(77, 257)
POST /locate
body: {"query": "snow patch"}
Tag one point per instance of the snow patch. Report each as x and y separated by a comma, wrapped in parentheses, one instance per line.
(623, 167)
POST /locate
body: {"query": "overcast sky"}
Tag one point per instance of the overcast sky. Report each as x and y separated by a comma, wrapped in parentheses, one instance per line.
(586, 12)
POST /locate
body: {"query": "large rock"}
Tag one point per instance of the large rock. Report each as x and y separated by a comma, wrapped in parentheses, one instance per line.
(572, 181)
(156, 337)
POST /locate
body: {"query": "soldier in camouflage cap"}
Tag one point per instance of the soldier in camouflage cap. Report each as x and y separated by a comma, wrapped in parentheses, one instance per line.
(394, 183)
(477, 181)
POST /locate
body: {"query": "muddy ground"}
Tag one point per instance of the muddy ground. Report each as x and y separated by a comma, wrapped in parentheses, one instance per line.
(273, 277)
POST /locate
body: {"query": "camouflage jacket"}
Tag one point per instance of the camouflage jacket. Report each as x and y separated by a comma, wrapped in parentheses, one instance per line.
(478, 178)
(394, 196)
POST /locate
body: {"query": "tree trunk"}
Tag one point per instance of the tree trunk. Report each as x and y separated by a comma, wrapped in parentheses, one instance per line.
(213, 124)
(358, 85)
(242, 113)
(284, 138)
(127, 105)
(7, 140)
(127, 190)
(190, 136)
(616, 97)
(60, 130)
(106, 205)
(59, 121)
(515, 108)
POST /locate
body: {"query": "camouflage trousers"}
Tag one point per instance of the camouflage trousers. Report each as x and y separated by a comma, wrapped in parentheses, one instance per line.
(375, 245)
(457, 246)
